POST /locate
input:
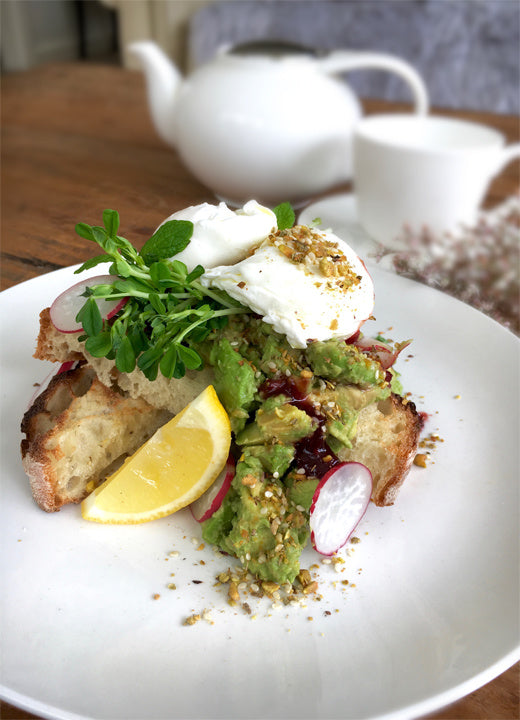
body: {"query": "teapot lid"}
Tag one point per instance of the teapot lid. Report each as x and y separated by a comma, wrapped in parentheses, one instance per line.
(272, 48)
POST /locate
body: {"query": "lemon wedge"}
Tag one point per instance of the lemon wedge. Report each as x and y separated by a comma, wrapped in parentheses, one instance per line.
(171, 470)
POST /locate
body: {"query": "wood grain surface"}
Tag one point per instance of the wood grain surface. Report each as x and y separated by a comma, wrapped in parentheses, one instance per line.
(76, 139)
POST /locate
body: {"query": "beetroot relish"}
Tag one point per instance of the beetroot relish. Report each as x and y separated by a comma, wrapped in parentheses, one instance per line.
(297, 388)
(312, 453)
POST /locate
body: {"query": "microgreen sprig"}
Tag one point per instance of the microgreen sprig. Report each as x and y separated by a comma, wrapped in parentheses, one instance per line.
(167, 309)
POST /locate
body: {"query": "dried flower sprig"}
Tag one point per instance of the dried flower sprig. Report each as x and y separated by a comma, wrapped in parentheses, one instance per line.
(479, 265)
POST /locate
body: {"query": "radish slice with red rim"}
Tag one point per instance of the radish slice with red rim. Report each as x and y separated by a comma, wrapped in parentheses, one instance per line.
(210, 501)
(338, 504)
(57, 369)
(387, 355)
(66, 366)
(65, 308)
(369, 344)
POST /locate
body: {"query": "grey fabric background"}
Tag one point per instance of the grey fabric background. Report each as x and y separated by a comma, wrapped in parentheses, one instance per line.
(467, 51)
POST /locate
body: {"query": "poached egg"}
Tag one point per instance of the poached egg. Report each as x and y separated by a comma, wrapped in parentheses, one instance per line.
(308, 285)
(222, 236)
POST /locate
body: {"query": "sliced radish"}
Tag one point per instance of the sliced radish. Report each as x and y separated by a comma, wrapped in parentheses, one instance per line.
(67, 305)
(66, 366)
(352, 339)
(386, 354)
(56, 370)
(338, 504)
(369, 344)
(210, 501)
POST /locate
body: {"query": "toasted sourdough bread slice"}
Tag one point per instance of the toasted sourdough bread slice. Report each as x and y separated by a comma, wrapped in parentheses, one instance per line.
(172, 395)
(77, 431)
(387, 432)
(386, 442)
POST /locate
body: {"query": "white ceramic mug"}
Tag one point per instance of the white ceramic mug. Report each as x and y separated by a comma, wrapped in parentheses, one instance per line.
(423, 172)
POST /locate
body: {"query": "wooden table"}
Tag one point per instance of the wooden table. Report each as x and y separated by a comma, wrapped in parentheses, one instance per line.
(76, 139)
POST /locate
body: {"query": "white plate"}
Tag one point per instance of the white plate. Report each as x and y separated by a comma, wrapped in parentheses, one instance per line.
(433, 614)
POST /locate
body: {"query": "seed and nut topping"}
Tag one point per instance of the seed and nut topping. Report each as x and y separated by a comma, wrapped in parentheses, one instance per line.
(307, 247)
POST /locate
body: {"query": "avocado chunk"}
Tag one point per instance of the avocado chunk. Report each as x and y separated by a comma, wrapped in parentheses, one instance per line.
(243, 525)
(277, 422)
(219, 525)
(341, 432)
(345, 403)
(235, 382)
(269, 351)
(339, 361)
(275, 459)
(301, 491)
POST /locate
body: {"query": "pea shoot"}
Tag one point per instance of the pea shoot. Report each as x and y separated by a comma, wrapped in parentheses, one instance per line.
(167, 311)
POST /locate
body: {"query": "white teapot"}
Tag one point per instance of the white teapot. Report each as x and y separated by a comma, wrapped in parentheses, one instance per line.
(272, 126)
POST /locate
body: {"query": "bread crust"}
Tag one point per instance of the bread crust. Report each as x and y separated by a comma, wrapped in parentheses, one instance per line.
(386, 442)
(75, 431)
(172, 395)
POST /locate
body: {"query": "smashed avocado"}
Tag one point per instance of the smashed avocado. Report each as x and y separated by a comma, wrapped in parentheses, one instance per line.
(291, 412)
(259, 524)
(276, 420)
(234, 382)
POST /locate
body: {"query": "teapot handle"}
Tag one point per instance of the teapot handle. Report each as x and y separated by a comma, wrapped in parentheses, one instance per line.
(506, 155)
(343, 61)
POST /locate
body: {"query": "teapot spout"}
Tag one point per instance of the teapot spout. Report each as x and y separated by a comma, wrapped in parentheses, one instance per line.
(163, 81)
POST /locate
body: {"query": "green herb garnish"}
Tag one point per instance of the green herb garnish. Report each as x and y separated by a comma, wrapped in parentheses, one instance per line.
(285, 216)
(167, 309)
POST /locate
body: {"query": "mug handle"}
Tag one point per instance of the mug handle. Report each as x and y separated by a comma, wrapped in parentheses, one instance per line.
(341, 61)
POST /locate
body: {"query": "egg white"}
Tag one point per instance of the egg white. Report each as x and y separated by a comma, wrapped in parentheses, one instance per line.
(222, 236)
(296, 301)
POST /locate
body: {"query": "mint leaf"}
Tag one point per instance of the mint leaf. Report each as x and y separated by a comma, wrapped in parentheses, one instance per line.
(285, 216)
(168, 240)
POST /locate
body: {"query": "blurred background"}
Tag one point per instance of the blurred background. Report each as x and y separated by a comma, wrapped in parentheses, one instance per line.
(466, 50)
